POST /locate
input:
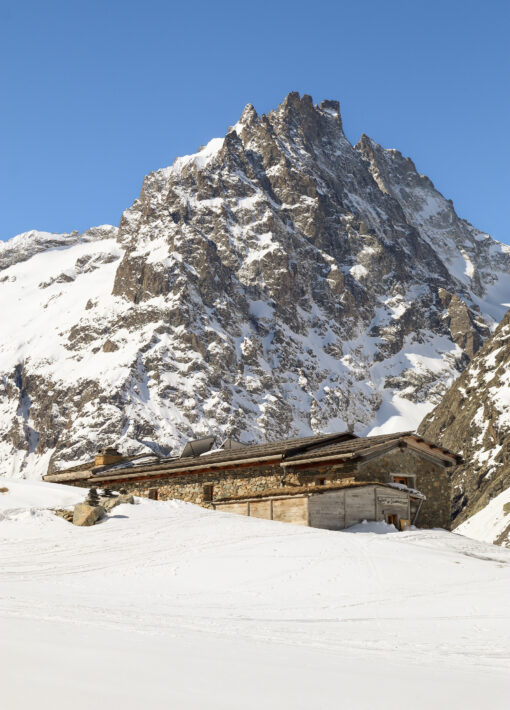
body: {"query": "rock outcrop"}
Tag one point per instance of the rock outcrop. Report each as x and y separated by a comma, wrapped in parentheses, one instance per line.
(110, 503)
(278, 282)
(89, 513)
(474, 419)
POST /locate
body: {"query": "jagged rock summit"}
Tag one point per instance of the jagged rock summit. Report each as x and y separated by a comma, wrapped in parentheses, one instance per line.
(278, 282)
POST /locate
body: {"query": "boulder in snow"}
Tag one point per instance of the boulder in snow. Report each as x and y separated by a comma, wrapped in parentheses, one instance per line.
(85, 514)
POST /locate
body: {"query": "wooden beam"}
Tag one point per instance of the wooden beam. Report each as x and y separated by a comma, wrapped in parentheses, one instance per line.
(199, 470)
(347, 465)
(441, 453)
(374, 452)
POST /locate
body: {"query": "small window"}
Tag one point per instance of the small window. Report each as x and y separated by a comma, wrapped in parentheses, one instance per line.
(153, 493)
(207, 491)
(404, 480)
(320, 481)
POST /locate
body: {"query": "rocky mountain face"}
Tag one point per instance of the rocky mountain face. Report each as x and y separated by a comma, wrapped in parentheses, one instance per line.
(474, 419)
(278, 282)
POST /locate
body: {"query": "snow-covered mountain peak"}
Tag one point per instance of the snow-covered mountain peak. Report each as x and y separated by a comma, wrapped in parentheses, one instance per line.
(248, 116)
(277, 282)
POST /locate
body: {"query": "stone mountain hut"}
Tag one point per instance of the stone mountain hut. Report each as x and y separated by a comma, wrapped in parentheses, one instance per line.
(329, 480)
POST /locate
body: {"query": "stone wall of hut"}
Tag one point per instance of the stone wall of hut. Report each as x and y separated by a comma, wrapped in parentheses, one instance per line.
(432, 480)
(193, 487)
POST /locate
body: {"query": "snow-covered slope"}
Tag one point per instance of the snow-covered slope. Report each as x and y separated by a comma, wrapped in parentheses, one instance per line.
(19, 498)
(169, 605)
(278, 282)
(491, 523)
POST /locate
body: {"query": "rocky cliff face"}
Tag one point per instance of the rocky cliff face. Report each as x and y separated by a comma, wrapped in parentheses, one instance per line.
(474, 419)
(280, 281)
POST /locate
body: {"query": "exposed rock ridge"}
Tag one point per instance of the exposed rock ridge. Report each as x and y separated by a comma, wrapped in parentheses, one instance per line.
(474, 417)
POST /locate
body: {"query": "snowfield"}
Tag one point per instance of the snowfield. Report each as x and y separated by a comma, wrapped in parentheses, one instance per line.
(168, 605)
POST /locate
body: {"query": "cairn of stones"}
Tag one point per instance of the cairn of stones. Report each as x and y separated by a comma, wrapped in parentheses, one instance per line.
(93, 498)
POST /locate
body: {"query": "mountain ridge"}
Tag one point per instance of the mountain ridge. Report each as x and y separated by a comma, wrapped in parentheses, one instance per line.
(278, 282)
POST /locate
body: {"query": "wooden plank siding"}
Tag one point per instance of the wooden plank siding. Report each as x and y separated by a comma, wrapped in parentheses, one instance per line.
(237, 508)
(291, 510)
(261, 509)
(392, 502)
(327, 511)
(330, 510)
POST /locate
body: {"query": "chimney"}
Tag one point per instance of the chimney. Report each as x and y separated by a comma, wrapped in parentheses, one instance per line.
(105, 457)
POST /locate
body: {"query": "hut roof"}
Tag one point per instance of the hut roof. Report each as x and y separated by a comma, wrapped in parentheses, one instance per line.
(289, 453)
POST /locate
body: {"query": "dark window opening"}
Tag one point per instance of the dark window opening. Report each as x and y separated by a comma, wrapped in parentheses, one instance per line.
(208, 492)
(320, 481)
(153, 493)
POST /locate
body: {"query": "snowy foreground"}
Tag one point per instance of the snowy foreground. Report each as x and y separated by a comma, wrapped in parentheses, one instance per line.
(167, 605)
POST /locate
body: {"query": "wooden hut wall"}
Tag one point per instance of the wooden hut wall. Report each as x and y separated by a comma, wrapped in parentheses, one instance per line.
(392, 502)
(261, 509)
(291, 510)
(327, 510)
(359, 505)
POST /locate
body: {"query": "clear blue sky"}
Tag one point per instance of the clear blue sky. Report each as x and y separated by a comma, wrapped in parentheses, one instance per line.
(97, 94)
